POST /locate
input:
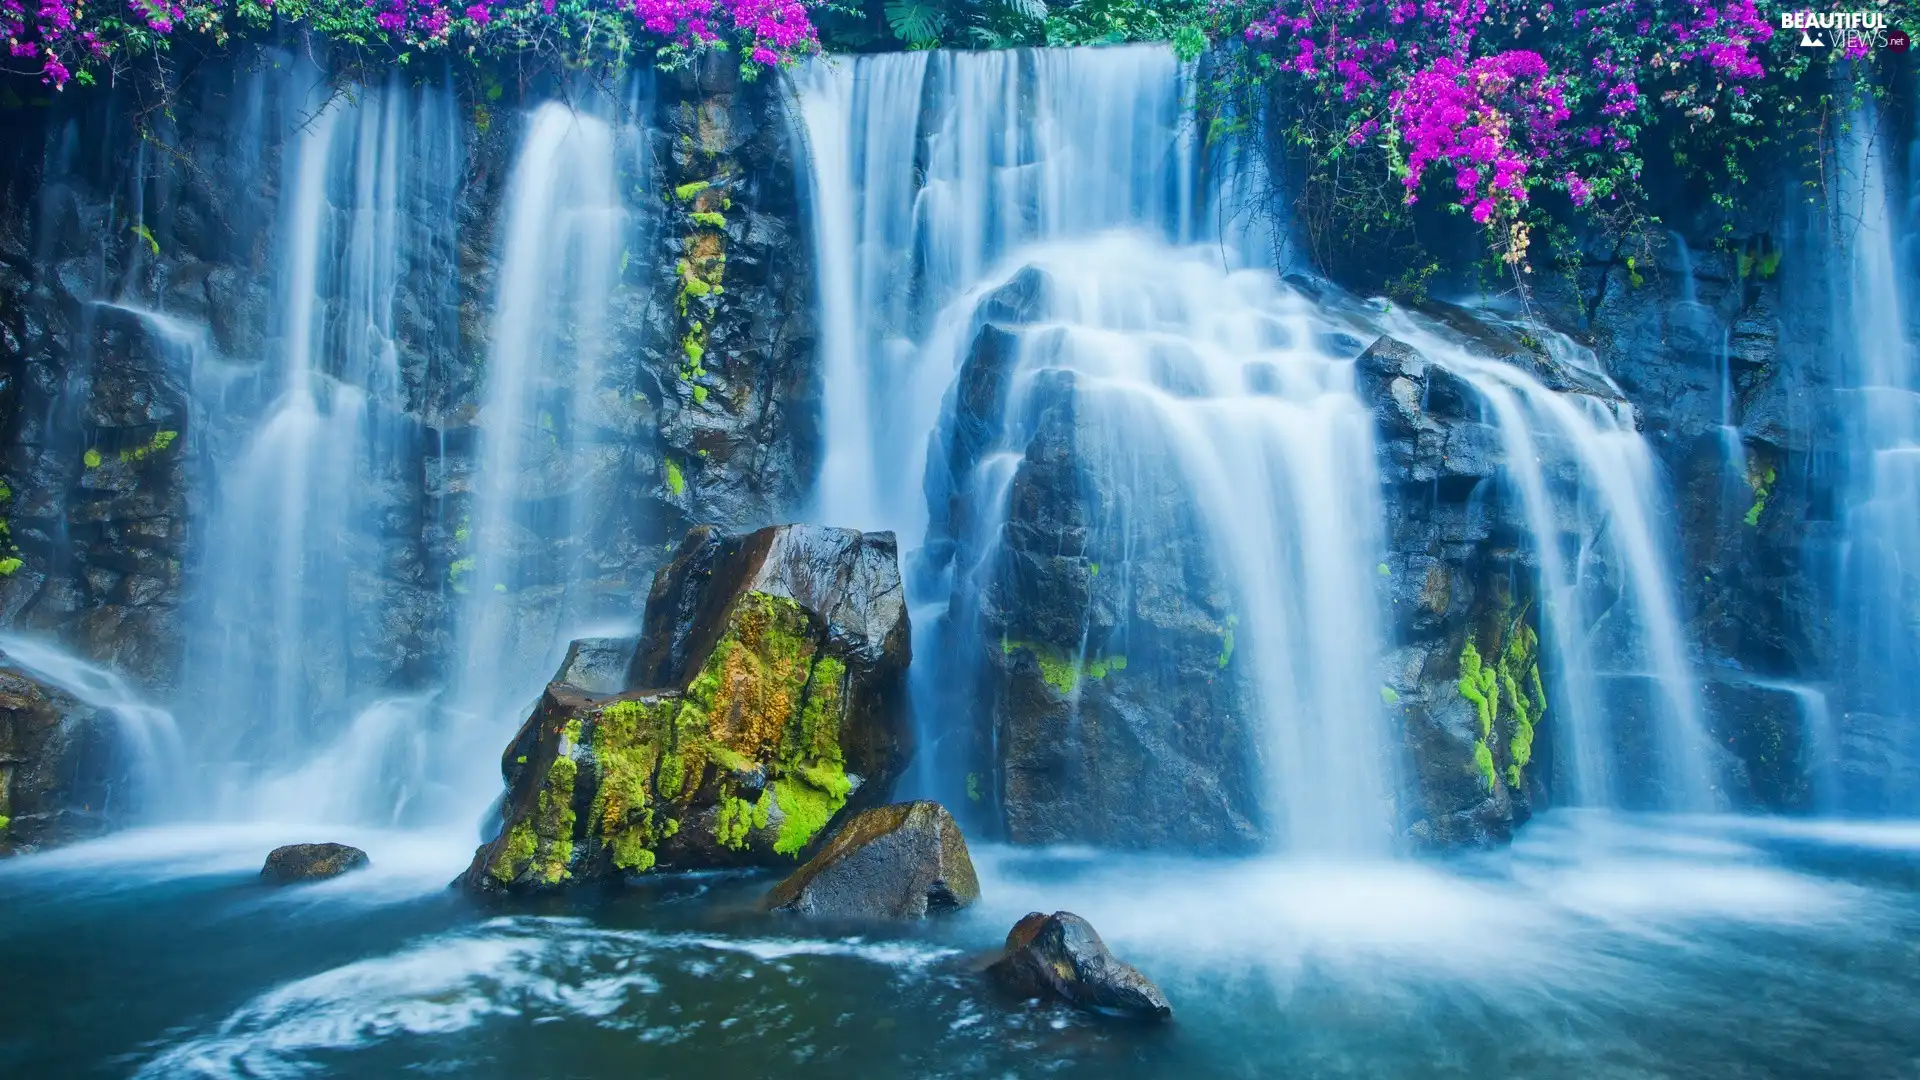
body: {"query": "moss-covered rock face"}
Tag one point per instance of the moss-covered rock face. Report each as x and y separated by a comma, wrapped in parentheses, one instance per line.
(781, 709)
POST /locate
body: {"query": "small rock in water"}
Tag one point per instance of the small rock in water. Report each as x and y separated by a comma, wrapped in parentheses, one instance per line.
(903, 861)
(1060, 955)
(295, 863)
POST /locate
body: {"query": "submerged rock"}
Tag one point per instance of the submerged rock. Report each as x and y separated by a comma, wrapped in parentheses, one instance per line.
(1060, 955)
(904, 861)
(764, 698)
(295, 863)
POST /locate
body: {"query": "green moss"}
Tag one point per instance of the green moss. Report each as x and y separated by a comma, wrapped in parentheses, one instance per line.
(1761, 478)
(5, 823)
(1058, 670)
(457, 572)
(710, 219)
(553, 822)
(1389, 695)
(91, 458)
(1479, 684)
(627, 740)
(700, 396)
(1483, 761)
(1519, 676)
(1383, 570)
(10, 564)
(806, 808)
(688, 191)
(733, 822)
(516, 855)
(973, 787)
(1096, 669)
(1509, 685)
(630, 851)
(725, 758)
(1226, 641)
(1094, 569)
(159, 442)
(676, 482)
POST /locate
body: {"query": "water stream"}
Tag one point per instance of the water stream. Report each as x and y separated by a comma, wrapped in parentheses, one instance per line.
(386, 583)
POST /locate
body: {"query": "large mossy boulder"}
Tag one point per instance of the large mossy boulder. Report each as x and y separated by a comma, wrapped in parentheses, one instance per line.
(765, 699)
(903, 861)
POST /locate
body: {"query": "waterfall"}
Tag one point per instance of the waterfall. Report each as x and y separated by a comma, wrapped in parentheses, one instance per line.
(1595, 505)
(148, 731)
(1879, 577)
(930, 168)
(288, 635)
(563, 229)
(1186, 378)
(940, 179)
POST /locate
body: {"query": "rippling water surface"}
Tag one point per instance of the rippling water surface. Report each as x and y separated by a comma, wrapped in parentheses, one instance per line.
(1598, 947)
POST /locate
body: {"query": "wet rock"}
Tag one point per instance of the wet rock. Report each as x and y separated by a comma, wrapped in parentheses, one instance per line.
(1107, 707)
(1060, 956)
(61, 770)
(773, 669)
(903, 861)
(597, 665)
(292, 864)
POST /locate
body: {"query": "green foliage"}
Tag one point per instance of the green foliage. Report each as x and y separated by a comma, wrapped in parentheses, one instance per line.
(1483, 763)
(159, 442)
(1760, 478)
(918, 23)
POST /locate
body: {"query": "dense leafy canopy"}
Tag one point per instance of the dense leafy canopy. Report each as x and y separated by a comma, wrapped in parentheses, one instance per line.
(1480, 105)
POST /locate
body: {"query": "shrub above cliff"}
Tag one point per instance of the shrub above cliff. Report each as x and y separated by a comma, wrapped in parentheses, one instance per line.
(74, 40)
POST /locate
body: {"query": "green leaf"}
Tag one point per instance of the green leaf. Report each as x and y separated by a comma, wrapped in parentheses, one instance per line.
(1027, 9)
(915, 22)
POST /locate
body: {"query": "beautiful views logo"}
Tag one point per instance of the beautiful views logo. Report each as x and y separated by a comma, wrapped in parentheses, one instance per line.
(1851, 32)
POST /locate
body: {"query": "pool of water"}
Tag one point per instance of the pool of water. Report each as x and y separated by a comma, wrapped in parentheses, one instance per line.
(1598, 947)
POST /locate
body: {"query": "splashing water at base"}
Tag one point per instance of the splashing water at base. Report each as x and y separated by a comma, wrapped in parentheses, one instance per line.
(1605, 946)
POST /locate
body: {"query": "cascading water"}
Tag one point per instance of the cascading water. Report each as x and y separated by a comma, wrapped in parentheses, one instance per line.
(1207, 383)
(289, 637)
(935, 177)
(564, 229)
(1879, 577)
(1594, 503)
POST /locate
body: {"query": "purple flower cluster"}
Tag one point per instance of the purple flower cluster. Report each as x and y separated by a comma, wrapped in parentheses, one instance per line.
(57, 38)
(1483, 117)
(1510, 94)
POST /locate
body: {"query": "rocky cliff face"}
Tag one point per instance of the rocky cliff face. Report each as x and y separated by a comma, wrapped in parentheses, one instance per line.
(143, 319)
